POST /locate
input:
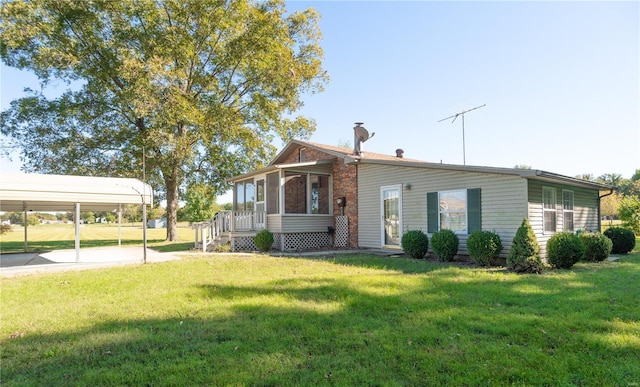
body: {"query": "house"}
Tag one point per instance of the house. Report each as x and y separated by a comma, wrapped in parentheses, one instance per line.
(315, 196)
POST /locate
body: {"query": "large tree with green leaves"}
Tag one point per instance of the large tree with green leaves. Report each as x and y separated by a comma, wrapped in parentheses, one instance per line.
(200, 87)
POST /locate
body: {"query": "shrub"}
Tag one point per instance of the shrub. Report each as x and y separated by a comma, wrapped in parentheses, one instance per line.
(445, 244)
(263, 240)
(524, 256)
(4, 228)
(415, 243)
(597, 247)
(623, 239)
(564, 249)
(484, 247)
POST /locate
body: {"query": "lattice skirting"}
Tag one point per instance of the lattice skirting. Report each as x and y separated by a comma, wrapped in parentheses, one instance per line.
(286, 242)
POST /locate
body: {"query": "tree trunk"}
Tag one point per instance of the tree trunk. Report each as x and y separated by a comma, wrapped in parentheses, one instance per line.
(172, 208)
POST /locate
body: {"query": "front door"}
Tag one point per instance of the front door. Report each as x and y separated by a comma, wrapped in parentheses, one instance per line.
(391, 208)
(260, 210)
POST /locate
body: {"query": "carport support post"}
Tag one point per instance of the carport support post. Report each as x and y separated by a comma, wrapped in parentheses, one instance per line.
(24, 208)
(119, 224)
(77, 232)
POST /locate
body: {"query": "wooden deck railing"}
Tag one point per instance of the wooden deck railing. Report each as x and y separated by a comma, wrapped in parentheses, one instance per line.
(226, 222)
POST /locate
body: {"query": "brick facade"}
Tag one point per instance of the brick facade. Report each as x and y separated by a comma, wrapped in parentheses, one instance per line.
(345, 184)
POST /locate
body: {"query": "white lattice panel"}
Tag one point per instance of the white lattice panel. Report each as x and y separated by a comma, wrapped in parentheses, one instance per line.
(342, 231)
(306, 241)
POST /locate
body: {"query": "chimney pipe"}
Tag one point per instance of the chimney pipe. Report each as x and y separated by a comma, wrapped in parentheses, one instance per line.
(357, 144)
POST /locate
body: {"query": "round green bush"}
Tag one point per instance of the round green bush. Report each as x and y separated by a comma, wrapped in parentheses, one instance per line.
(263, 240)
(445, 244)
(415, 243)
(524, 256)
(624, 240)
(564, 249)
(484, 247)
(597, 247)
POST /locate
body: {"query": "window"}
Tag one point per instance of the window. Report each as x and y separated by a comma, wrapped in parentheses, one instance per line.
(273, 193)
(302, 154)
(245, 196)
(455, 210)
(567, 210)
(306, 193)
(549, 209)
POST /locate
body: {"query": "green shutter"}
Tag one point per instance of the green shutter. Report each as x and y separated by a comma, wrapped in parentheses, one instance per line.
(432, 212)
(474, 210)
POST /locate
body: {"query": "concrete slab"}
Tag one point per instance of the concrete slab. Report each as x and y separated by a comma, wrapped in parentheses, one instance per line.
(12, 265)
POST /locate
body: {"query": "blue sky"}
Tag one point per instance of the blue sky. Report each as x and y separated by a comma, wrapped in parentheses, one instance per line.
(560, 80)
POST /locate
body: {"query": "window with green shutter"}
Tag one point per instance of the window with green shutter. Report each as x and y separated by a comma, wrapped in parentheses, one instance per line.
(456, 210)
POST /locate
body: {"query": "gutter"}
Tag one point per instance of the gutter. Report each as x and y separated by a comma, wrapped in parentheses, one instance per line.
(611, 190)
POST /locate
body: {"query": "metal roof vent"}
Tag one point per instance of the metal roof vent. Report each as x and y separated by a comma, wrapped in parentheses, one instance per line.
(399, 153)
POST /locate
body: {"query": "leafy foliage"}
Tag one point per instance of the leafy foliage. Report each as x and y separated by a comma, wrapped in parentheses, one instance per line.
(263, 240)
(564, 249)
(200, 203)
(415, 243)
(484, 247)
(445, 244)
(5, 228)
(623, 239)
(629, 213)
(524, 256)
(597, 246)
(199, 87)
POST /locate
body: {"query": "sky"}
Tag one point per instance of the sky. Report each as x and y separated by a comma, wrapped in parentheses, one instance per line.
(560, 81)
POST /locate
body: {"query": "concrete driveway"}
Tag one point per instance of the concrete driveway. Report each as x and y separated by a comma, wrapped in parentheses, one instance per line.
(16, 264)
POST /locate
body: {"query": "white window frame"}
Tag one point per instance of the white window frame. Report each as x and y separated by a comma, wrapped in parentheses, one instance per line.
(448, 211)
(566, 211)
(554, 203)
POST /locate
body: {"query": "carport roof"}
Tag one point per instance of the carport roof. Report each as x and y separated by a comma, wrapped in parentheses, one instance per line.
(38, 192)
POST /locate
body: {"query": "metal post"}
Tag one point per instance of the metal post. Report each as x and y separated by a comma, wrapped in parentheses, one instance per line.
(24, 208)
(77, 232)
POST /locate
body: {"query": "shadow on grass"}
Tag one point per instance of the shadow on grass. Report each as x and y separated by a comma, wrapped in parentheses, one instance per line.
(39, 246)
(400, 264)
(440, 328)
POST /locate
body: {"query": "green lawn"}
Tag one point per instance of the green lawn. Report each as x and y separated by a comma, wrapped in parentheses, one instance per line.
(44, 237)
(350, 320)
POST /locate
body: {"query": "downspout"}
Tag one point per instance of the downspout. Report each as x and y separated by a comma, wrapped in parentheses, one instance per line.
(611, 190)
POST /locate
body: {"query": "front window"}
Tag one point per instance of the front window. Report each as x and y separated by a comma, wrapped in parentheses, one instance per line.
(453, 211)
(245, 196)
(549, 209)
(306, 193)
(567, 210)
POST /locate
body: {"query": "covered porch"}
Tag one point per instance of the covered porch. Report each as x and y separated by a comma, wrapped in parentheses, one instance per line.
(293, 201)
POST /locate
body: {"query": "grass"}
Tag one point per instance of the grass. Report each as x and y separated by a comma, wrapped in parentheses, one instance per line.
(46, 237)
(348, 320)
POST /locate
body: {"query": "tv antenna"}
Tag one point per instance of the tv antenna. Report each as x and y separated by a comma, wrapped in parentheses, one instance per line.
(462, 113)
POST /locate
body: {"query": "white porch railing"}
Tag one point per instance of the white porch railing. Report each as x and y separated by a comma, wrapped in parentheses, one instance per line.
(225, 222)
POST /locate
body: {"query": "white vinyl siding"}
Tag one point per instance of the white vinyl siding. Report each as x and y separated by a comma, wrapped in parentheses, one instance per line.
(585, 210)
(504, 203)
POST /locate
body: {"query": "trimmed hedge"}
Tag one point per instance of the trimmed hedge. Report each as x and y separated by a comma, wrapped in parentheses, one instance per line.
(484, 247)
(263, 240)
(564, 249)
(624, 240)
(597, 247)
(415, 243)
(445, 244)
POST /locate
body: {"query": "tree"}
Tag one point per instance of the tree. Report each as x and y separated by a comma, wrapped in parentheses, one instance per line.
(191, 90)
(200, 203)
(629, 212)
(609, 205)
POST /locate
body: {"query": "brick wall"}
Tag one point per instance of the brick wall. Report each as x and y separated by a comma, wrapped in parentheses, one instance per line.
(345, 183)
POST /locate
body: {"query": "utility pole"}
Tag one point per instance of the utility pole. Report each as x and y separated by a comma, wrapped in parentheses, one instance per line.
(462, 113)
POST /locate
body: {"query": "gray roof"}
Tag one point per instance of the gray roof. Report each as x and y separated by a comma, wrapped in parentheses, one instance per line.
(378, 158)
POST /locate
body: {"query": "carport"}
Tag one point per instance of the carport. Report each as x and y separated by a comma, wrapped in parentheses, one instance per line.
(66, 193)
